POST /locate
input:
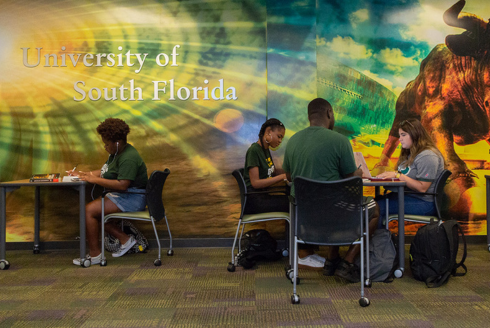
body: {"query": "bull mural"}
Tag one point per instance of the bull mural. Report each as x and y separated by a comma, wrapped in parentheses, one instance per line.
(451, 97)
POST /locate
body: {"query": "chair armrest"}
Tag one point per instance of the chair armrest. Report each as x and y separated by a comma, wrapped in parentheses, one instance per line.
(274, 190)
(420, 193)
(121, 192)
(416, 192)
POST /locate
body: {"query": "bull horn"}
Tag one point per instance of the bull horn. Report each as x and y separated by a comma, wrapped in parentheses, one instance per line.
(472, 41)
(450, 16)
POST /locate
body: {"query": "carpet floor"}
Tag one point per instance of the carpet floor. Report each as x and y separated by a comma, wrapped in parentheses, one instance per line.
(194, 289)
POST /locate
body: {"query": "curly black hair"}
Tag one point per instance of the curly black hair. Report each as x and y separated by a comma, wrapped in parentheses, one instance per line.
(113, 129)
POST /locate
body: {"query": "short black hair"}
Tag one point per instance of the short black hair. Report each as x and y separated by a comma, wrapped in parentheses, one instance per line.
(113, 129)
(318, 107)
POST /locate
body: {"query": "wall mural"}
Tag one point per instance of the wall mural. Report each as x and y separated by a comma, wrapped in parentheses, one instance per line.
(195, 80)
(383, 62)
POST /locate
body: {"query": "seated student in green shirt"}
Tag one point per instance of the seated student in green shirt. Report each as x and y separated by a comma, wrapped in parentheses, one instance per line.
(320, 153)
(260, 171)
(124, 171)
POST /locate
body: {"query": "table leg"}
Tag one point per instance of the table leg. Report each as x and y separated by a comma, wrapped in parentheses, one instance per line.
(488, 214)
(401, 228)
(4, 264)
(291, 234)
(37, 194)
(83, 237)
(3, 223)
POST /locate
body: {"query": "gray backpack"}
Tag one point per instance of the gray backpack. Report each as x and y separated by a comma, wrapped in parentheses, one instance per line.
(383, 257)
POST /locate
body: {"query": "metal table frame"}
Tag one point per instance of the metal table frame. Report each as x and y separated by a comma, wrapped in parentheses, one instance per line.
(401, 216)
(14, 185)
(487, 177)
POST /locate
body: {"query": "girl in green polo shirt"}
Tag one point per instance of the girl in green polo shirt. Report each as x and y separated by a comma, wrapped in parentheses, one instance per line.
(260, 171)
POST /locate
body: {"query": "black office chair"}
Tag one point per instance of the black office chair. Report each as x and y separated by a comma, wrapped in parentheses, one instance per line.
(251, 218)
(329, 213)
(438, 199)
(155, 211)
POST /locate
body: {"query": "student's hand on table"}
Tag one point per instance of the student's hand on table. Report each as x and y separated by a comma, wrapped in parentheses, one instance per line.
(387, 175)
(86, 176)
(73, 172)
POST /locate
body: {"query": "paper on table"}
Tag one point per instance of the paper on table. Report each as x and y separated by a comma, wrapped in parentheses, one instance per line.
(71, 178)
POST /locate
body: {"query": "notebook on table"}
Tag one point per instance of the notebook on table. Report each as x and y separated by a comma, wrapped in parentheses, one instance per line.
(361, 162)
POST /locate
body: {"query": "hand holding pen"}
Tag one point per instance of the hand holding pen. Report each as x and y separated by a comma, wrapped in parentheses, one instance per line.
(72, 171)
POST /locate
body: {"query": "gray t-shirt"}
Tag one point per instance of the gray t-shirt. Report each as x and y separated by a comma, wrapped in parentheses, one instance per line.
(427, 167)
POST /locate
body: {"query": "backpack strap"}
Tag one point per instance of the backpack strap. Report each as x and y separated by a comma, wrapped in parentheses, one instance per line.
(437, 281)
(448, 226)
(461, 263)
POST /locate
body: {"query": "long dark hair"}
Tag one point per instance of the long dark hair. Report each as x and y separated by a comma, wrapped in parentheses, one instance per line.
(421, 141)
(274, 123)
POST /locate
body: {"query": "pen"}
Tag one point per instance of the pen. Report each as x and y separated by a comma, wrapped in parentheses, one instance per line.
(72, 171)
(359, 166)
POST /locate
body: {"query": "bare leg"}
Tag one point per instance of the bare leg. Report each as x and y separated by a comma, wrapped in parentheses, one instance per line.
(93, 213)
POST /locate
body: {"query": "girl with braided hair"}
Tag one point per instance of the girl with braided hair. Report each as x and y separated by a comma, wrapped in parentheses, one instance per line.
(260, 171)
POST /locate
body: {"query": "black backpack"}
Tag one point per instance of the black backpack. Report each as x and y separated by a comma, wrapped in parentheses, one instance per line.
(112, 244)
(257, 245)
(433, 253)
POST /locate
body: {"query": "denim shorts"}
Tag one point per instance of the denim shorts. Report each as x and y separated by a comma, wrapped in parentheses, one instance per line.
(129, 202)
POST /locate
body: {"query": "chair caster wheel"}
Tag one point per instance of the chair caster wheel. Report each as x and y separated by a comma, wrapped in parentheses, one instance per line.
(364, 301)
(231, 267)
(170, 252)
(285, 252)
(36, 250)
(368, 283)
(4, 265)
(103, 263)
(489, 248)
(295, 299)
(398, 273)
(157, 262)
(298, 281)
(290, 274)
(85, 263)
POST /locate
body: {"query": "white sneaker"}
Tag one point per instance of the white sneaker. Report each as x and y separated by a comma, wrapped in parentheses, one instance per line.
(318, 258)
(126, 247)
(310, 261)
(93, 260)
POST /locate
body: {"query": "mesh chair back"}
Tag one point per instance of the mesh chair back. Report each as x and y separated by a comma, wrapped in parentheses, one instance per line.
(154, 189)
(238, 175)
(439, 190)
(328, 212)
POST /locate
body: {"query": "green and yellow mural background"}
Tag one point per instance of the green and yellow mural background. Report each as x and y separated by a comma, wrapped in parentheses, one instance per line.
(195, 80)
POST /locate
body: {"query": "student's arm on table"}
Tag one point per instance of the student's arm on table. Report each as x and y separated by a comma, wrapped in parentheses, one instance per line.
(258, 183)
